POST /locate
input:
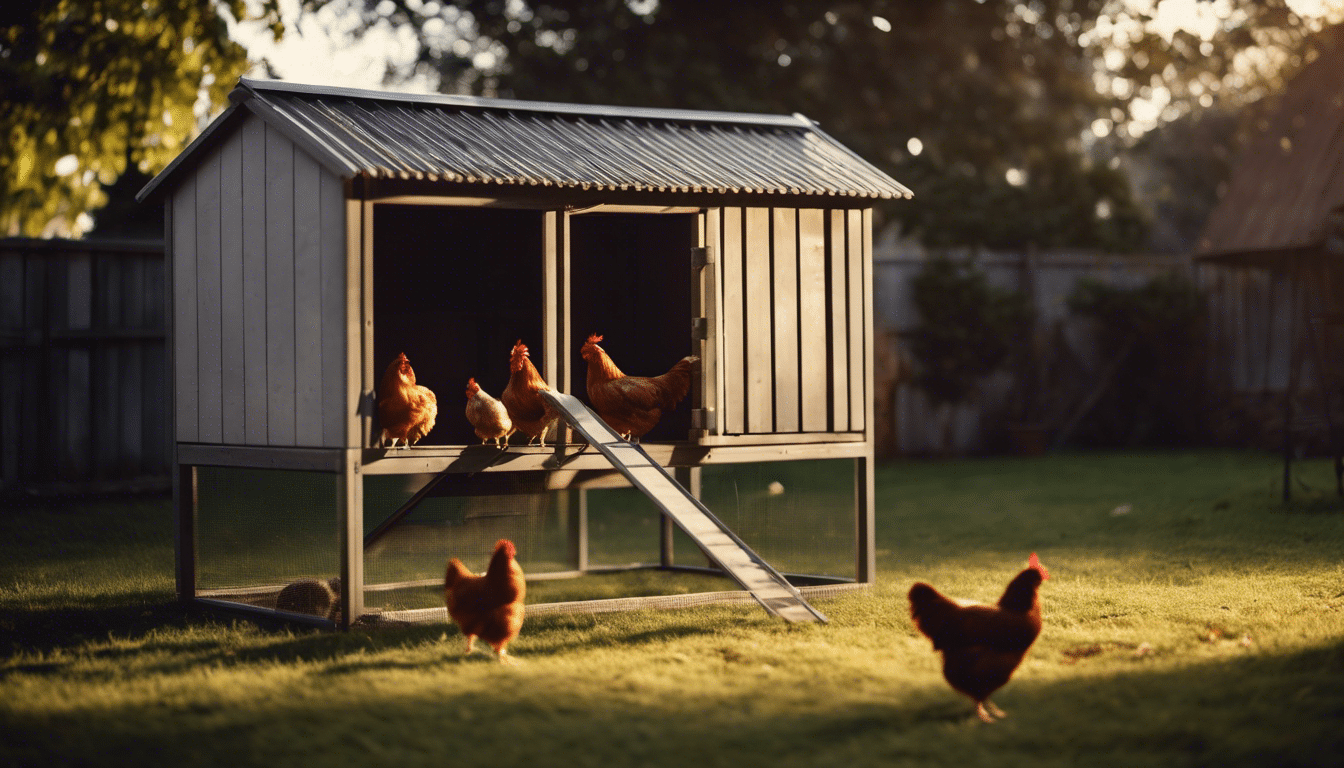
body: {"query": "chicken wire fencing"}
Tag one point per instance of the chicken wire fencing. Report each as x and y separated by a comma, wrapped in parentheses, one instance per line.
(589, 541)
(271, 538)
(259, 531)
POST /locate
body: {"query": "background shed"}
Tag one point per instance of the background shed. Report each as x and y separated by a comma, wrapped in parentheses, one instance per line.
(1273, 251)
(314, 233)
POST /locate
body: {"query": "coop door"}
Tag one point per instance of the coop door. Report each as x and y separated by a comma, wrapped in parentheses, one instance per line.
(788, 320)
(630, 282)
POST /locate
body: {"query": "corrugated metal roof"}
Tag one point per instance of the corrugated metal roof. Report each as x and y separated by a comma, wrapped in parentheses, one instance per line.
(1290, 175)
(473, 140)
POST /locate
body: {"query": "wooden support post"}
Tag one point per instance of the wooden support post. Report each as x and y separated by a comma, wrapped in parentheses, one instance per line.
(578, 533)
(184, 530)
(350, 517)
(865, 494)
(688, 478)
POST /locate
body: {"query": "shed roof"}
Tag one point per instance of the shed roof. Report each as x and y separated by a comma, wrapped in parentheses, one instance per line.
(1290, 175)
(464, 139)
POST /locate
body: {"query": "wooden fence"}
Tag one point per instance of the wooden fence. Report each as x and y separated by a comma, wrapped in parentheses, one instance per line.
(83, 387)
(907, 422)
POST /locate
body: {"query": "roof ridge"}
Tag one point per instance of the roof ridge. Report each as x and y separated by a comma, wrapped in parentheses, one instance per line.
(795, 121)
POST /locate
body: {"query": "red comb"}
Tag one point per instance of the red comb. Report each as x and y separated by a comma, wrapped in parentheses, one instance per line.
(594, 339)
(1035, 562)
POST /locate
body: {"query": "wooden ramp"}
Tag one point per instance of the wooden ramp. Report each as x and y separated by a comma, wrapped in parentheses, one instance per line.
(729, 552)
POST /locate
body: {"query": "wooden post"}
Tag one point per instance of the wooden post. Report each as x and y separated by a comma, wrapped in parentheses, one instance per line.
(350, 517)
(184, 529)
(555, 320)
(865, 494)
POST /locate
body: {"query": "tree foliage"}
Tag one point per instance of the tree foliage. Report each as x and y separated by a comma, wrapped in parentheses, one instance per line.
(1000, 94)
(108, 84)
(967, 328)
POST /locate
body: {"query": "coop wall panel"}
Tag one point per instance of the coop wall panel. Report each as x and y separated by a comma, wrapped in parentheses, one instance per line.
(259, 259)
(793, 320)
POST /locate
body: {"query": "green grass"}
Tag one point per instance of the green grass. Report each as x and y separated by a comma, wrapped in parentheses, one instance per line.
(1203, 627)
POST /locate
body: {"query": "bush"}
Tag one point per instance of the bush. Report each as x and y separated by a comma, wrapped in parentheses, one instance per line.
(1156, 397)
(967, 328)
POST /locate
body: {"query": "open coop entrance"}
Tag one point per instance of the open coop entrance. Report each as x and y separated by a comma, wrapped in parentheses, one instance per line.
(454, 288)
(630, 281)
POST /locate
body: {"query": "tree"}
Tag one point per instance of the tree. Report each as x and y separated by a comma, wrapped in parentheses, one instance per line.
(91, 88)
(993, 111)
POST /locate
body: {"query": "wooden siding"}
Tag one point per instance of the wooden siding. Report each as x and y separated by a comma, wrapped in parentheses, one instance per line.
(258, 246)
(792, 294)
(82, 370)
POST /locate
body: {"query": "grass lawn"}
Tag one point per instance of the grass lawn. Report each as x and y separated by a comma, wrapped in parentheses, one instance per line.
(1191, 619)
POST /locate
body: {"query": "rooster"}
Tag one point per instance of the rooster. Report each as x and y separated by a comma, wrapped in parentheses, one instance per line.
(632, 405)
(530, 414)
(406, 410)
(487, 415)
(982, 645)
(489, 606)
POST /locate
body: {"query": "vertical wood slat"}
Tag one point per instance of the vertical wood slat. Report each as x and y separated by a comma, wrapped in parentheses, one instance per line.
(857, 375)
(184, 311)
(838, 263)
(711, 396)
(253, 223)
(280, 366)
(812, 319)
(77, 368)
(365, 317)
(356, 425)
(732, 416)
(307, 302)
(208, 332)
(332, 207)
(784, 253)
(232, 319)
(758, 347)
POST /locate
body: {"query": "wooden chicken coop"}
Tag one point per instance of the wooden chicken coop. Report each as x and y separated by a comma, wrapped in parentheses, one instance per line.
(314, 233)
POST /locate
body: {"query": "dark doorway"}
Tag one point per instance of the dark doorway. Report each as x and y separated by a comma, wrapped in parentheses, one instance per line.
(630, 281)
(453, 288)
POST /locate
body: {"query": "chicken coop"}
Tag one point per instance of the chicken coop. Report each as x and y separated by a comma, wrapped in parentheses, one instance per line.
(315, 233)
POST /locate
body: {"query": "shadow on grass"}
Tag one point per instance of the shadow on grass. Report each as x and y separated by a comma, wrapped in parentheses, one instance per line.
(1252, 711)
